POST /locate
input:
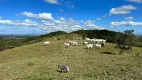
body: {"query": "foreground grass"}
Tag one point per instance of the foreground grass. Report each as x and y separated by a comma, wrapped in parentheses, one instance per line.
(38, 62)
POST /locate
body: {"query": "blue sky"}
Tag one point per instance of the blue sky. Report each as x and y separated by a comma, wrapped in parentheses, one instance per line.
(43, 16)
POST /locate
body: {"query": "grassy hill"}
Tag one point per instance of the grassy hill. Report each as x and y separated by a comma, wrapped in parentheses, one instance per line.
(38, 62)
(7, 42)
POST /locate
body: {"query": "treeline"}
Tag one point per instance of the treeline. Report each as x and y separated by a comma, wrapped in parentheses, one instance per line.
(110, 36)
(99, 34)
(9, 43)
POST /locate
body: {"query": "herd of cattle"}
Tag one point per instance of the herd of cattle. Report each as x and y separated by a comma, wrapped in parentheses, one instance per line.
(89, 43)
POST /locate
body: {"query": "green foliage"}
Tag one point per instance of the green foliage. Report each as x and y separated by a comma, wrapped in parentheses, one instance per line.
(100, 34)
(10, 43)
(126, 40)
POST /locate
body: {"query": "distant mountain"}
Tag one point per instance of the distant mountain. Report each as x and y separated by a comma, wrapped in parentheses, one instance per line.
(54, 34)
(139, 36)
(16, 36)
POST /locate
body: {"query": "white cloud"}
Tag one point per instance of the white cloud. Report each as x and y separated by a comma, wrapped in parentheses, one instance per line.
(81, 21)
(52, 1)
(102, 17)
(129, 18)
(68, 3)
(61, 18)
(125, 23)
(98, 19)
(26, 22)
(44, 16)
(0, 17)
(137, 1)
(49, 24)
(91, 25)
(125, 9)
(68, 25)
(29, 14)
(62, 25)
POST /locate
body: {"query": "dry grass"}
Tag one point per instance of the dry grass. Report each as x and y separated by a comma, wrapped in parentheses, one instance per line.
(38, 62)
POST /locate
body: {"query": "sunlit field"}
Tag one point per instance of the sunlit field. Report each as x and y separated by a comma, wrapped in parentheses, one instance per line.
(39, 62)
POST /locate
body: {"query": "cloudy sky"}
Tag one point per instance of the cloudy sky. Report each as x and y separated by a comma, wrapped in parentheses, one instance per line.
(44, 16)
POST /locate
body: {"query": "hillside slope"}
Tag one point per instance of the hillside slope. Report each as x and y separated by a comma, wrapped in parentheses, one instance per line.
(39, 62)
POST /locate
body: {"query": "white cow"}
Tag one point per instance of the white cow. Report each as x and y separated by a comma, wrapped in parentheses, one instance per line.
(98, 45)
(74, 43)
(89, 46)
(66, 45)
(87, 39)
(46, 43)
(55, 38)
(99, 41)
(104, 41)
(92, 40)
(85, 42)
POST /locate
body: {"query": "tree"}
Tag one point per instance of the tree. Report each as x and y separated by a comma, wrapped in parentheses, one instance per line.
(129, 38)
(126, 40)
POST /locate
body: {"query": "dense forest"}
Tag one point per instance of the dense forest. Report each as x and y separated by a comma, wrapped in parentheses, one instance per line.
(110, 36)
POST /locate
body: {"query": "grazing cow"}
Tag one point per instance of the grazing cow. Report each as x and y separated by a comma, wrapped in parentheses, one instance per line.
(89, 46)
(55, 38)
(66, 45)
(98, 45)
(87, 39)
(85, 43)
(46, 43)
(104, 41)
(99, 41)
(74, 43)
(63, 68)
